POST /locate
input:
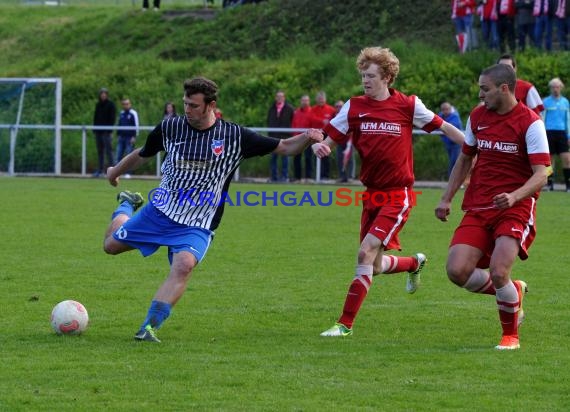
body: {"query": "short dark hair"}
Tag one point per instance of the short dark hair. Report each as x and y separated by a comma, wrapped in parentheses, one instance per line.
(507, 57)
(501, 74)
(201, 85)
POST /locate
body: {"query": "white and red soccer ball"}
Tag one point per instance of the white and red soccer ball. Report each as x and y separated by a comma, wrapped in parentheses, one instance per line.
(69, 318)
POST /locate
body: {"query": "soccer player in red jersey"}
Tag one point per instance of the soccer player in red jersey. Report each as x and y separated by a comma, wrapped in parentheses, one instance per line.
(512, 165)
(524, 91)
(380, 123)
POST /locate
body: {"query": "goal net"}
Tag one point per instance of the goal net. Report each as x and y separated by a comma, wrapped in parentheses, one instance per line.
(30, 125)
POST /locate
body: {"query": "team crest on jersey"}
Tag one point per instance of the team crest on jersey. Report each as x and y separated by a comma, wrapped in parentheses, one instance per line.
(217, 147)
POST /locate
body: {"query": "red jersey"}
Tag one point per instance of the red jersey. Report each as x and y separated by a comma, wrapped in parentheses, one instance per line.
(302, 118)
(382, 134)
(527, 93)
(507, 146)
(489, 10)
(462, 8)
(322, 115)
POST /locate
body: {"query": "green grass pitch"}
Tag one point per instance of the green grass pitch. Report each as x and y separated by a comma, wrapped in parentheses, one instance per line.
(245, 336)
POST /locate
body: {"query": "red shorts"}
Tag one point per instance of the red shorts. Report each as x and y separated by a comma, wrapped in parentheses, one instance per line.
(385, 214)
(480, 229)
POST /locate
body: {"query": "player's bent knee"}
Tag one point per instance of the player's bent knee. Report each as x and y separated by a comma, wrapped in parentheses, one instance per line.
(457, 274)
(112, 247)
(499, 277)
(184, 264)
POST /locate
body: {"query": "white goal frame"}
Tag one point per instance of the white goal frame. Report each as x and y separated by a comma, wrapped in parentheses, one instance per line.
(56, 126)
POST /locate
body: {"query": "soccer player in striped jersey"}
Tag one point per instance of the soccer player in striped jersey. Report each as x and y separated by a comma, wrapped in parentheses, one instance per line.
(512, 165)
(381, 124)
(202, 154)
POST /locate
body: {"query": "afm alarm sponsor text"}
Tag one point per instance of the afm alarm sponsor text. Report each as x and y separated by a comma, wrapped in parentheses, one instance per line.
(340, 197)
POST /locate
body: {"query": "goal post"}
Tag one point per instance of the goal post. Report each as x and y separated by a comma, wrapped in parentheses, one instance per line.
(20, 113)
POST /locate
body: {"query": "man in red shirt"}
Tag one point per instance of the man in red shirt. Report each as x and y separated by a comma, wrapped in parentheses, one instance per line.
(322, 114)
(462, 15)
(381, 123)
(302, 119)
(512, 165)
(524, 91)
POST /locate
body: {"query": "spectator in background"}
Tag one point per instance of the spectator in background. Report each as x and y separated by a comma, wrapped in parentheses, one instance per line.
(126, 138)
(556, 120)
(280, 115)
(218, 113)
(344, 154)
(169, 110)
(105, 115)
(524, 91)
(525, 22)
(451, 116)
(506, 25)
(302, 118)
(322, 115)
(563, 23)
(462, 16)
(543, 13)
(156, 4)
(489, 14)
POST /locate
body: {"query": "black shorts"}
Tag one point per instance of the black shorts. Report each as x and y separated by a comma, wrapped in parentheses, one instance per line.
(557, 141)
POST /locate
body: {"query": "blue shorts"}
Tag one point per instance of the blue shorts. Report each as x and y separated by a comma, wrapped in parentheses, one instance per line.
(149, 229)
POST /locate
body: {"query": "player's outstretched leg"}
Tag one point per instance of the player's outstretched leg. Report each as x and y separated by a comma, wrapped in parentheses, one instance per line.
(413, 265)
(129, 202)
(157, 314)
(338, 329)
(134, 199)
(414, 276)
(167, 295)
(509, 302)
(356, 294)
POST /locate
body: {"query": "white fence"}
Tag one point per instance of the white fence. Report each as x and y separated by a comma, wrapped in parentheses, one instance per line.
(84, 130)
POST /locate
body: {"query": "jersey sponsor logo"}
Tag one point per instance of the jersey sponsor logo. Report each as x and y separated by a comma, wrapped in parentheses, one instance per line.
(381, 127)
(504, 147)
(195, 165)
(217, 147)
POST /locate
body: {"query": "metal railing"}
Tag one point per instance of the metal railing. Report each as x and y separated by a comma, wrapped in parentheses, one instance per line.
(84, 129)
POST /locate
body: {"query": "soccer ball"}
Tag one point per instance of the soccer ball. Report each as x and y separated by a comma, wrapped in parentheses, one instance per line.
(69, 318)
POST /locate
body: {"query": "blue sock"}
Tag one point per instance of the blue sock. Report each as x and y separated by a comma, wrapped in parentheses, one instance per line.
(124, 208)
(157, 313)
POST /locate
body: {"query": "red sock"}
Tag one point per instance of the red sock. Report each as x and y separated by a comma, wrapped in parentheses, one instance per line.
(508, 302)
(397, 264)
(354, 298)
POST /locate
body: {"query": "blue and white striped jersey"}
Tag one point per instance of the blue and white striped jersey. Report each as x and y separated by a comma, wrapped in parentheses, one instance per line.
(199, 166)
